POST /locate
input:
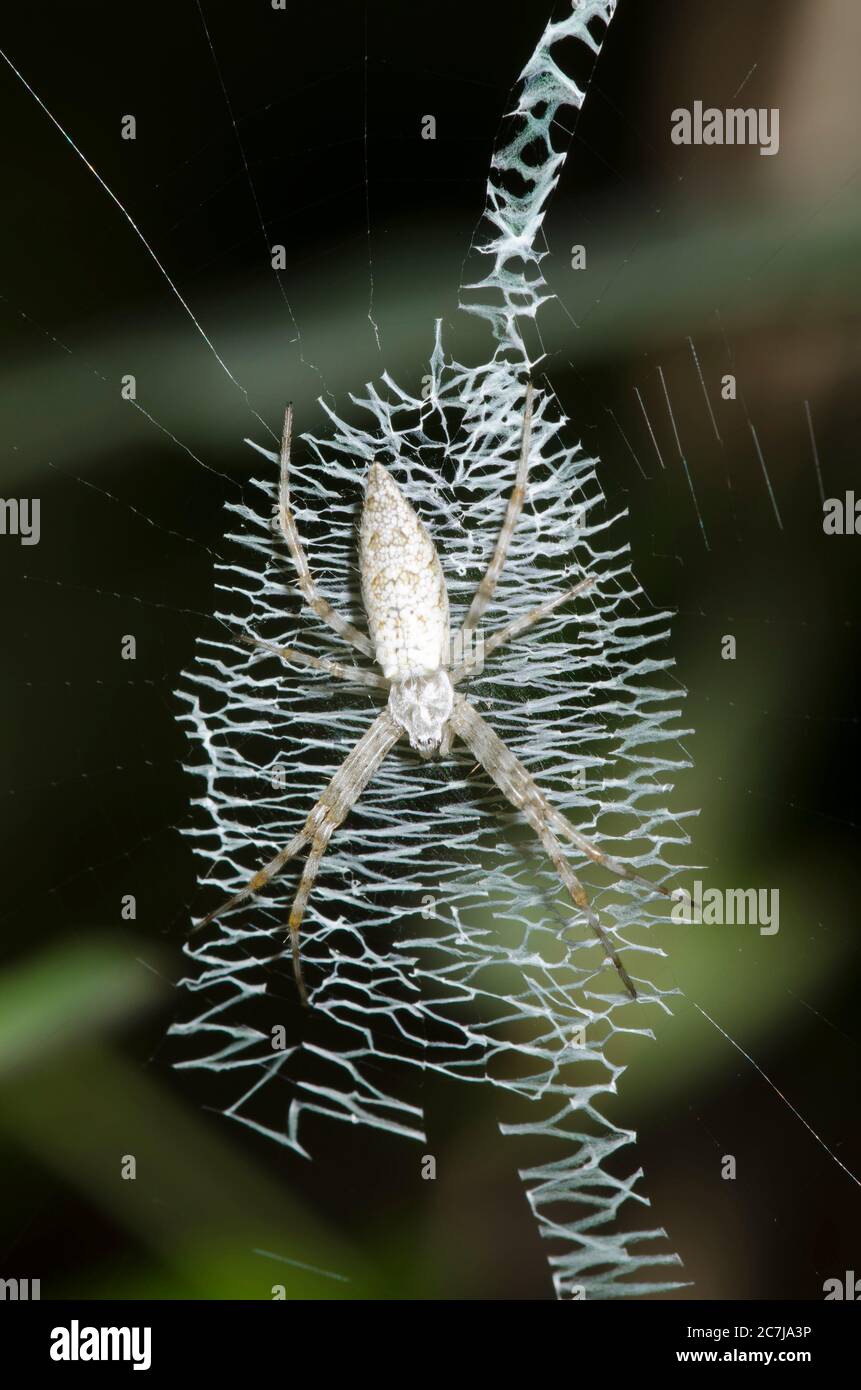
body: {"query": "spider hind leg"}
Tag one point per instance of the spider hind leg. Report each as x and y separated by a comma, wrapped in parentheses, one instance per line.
(325, 816)
(522, 791)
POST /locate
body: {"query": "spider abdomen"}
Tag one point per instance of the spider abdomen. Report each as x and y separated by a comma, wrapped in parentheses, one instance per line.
(403, 586)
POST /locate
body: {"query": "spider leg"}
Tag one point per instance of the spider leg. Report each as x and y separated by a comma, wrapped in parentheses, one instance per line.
(300, 902)
(578, 893)
(521, 789)
(340, 795)
(564, 827)
(332, 668)
(315, 601)
(484, 592)
(527, 786)
(520, 625)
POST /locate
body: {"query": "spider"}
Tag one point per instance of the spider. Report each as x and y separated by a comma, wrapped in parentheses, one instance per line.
(406, 602)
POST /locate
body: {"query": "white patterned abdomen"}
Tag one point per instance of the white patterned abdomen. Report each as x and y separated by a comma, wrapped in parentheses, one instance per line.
(402, 582)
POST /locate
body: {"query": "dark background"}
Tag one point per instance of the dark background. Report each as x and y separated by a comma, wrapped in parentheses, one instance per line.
(754, 259)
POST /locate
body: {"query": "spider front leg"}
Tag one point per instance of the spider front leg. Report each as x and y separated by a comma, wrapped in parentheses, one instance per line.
(520, 625)
(340, 796)
(315, 601)
(353, 674)
(484, 592)
(521, 789)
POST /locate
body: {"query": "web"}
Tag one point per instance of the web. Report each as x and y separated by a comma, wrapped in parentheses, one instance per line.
(432, 937)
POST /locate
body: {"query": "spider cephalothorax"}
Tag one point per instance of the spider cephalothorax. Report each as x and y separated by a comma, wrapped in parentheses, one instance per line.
(422, 704)
(406, 601)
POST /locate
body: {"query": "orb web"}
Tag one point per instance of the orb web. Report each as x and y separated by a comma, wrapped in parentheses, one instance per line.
(437, 937)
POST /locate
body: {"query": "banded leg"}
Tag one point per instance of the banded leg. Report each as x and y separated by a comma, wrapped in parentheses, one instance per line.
(484, 592)
(318, 663)
(563, 826)
(578, 893)
(300, 902)
(521, 789)
(520, 625)
(341, 794)
(526, 787)
(315, 601)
